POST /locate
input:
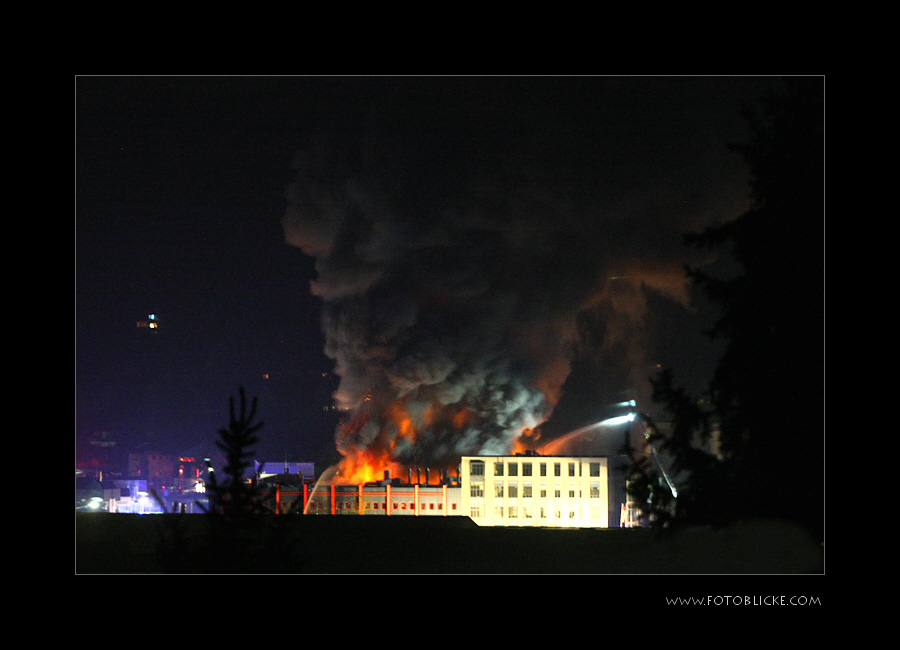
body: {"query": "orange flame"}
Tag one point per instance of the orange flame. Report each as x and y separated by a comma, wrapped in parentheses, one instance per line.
(528, 440)
(365, 466)
(461, 419)
(368, 464)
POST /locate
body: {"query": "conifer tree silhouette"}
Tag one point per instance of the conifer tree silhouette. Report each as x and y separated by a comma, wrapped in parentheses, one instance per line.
(235, 499)
(766, 395)
(236, 539)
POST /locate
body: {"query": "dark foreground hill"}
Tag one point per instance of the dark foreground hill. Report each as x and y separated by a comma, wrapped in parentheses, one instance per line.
(152, 544)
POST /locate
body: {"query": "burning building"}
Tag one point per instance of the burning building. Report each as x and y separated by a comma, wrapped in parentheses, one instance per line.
(454, 281)
(386, 497)
(522, 490)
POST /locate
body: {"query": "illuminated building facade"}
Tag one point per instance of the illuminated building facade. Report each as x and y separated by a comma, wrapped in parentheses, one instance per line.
(385, 498)
(516, 490)
(542, 491)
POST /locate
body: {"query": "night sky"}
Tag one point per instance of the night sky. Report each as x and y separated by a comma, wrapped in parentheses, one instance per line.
(504, 251)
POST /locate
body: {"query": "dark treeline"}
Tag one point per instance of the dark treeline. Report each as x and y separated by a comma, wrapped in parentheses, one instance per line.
(766, 396)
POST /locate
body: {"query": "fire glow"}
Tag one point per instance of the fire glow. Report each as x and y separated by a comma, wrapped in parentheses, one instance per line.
(397, 433)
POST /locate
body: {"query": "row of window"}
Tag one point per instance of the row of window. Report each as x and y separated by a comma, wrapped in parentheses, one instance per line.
(380, 505)
(476, 489)
(513, 512)
(511, 468)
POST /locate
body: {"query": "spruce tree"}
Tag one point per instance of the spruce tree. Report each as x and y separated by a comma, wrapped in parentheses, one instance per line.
(236, 497)
(766, 396)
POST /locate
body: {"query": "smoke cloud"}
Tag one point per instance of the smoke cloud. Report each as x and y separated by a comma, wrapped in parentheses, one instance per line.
(475, 238)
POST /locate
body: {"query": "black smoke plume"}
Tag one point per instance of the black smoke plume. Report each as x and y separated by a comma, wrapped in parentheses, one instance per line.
(473, 236)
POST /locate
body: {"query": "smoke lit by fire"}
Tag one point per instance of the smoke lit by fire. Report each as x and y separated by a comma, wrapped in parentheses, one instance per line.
(453, 262)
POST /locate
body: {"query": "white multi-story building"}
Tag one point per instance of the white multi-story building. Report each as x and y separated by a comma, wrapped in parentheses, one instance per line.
(547, 491)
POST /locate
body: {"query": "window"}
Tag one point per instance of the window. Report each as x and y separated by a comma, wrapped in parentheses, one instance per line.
(513, 512)
(543, 469)
(526, 469)
(476, 490)
(595, 469)
(543, 492)
(513, 469)
(571, 494)
(513, 491)
(475, 512)
(556, 493)
(498, 489)
(571, 514)
(571, 469)
(476, 468)
(556, 469)
(543, 513)
(498, 512)
(498, 469)
(526, 491)
(526, 512)
(595, 489)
